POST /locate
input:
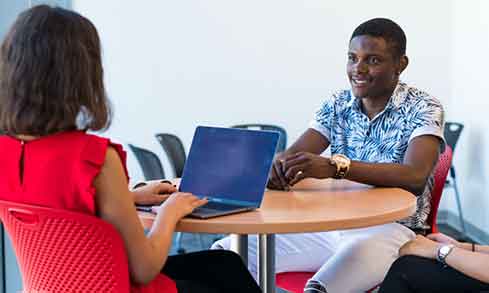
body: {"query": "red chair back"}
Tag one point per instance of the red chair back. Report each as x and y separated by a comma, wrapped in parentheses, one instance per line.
(295, 281)
(441, 172)
(64, 251)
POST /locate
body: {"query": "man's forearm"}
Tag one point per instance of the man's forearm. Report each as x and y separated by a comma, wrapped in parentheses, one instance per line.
(388, 175)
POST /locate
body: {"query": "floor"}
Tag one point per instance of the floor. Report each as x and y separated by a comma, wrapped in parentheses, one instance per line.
(194, 242)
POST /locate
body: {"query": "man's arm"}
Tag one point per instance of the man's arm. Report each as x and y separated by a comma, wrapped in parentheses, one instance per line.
(310, 141)
(419, 160)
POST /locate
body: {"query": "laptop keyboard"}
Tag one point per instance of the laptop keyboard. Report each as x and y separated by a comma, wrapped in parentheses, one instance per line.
(218, 206)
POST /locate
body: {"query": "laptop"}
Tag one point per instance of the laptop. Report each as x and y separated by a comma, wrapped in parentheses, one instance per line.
(229, 167)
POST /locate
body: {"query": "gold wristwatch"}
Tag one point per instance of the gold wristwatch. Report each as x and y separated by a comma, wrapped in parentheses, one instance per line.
(342, 164)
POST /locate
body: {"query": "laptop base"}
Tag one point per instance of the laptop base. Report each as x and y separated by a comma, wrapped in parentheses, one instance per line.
(203, 213)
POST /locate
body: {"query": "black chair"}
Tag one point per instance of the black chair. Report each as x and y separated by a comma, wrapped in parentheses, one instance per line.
(175, 151)
(149, 162)
(282, 141)
(452, 133)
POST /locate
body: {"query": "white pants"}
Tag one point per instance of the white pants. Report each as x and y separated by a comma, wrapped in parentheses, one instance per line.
(344, 261)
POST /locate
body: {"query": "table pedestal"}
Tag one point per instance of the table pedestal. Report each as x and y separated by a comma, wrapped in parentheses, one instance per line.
(266, 262)
(239, 244)
(266, 258)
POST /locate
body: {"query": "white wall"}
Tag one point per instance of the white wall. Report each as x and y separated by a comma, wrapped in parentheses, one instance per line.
(470, 105)
(171, 65)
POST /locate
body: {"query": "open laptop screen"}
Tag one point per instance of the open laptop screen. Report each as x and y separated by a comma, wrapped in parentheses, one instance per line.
(231, 164)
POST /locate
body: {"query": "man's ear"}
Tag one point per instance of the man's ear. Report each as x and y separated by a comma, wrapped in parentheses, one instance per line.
(403, 63)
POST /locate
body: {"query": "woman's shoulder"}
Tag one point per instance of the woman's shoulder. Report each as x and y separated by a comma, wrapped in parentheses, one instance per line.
(97, 147)
(77, 143)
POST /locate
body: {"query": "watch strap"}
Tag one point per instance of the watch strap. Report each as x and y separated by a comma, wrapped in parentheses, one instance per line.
(340, 172)
(341, 169)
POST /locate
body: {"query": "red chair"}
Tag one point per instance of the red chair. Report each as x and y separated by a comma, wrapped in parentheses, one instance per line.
(296, 281)
(64, 251)
(441, 173)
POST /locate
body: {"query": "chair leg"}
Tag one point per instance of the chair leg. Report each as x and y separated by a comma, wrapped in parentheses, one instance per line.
(459, 206)
(178, 240)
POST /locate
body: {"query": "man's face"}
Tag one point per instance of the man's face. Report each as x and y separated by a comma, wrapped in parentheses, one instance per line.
(372, 68)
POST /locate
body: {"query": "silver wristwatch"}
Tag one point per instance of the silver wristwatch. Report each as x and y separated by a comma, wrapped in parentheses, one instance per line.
(443, 252)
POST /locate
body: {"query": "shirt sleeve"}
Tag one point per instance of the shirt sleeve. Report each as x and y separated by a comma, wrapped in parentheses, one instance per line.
(322, 121)
(429, 120)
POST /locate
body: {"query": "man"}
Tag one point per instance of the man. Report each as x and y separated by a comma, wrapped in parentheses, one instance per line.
(381, 132)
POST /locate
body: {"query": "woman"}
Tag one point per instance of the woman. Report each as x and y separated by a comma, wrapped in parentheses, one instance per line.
(438, 263)
(51, 93)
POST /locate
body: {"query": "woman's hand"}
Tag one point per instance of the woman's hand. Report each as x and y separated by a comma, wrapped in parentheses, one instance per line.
(442, 238)
(180, 204)
(153, 193)
(421, 246)
(277, 178)
(302, 165)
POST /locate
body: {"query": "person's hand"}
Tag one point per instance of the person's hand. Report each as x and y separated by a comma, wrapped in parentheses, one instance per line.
(153, 193)
(442, 238)
(421, 246)
(302, 165)
(180, 204)
(277, 178)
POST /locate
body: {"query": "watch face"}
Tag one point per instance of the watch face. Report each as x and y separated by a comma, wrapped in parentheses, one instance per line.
(444, 249)
(341, 159)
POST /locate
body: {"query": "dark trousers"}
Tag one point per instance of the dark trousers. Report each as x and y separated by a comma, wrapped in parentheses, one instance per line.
(210, 271)
(410, 274)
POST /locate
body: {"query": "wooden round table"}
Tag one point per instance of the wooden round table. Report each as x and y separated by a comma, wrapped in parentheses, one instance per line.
(311, 206)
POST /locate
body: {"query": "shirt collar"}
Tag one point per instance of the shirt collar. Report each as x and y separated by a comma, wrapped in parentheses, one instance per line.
(398, 97)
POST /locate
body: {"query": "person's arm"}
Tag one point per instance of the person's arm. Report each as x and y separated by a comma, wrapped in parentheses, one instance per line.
(477, 247)
(152, 193)
(419, 160)
(473, 264)
(444, 239)
(115, 204)
(311, 141)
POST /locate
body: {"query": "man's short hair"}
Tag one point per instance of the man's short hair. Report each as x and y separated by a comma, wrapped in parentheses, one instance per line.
(384, 28)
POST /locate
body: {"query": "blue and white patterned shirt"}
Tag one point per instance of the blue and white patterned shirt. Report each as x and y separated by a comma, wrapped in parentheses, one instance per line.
(384, 139)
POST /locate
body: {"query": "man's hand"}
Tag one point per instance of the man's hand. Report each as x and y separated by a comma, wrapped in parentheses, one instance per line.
(277, 178)
(153, 193)
(312, 142)
(303, 164)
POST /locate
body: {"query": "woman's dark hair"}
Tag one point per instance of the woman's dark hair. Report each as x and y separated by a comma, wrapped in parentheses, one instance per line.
(384, 28)
(51, 76)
